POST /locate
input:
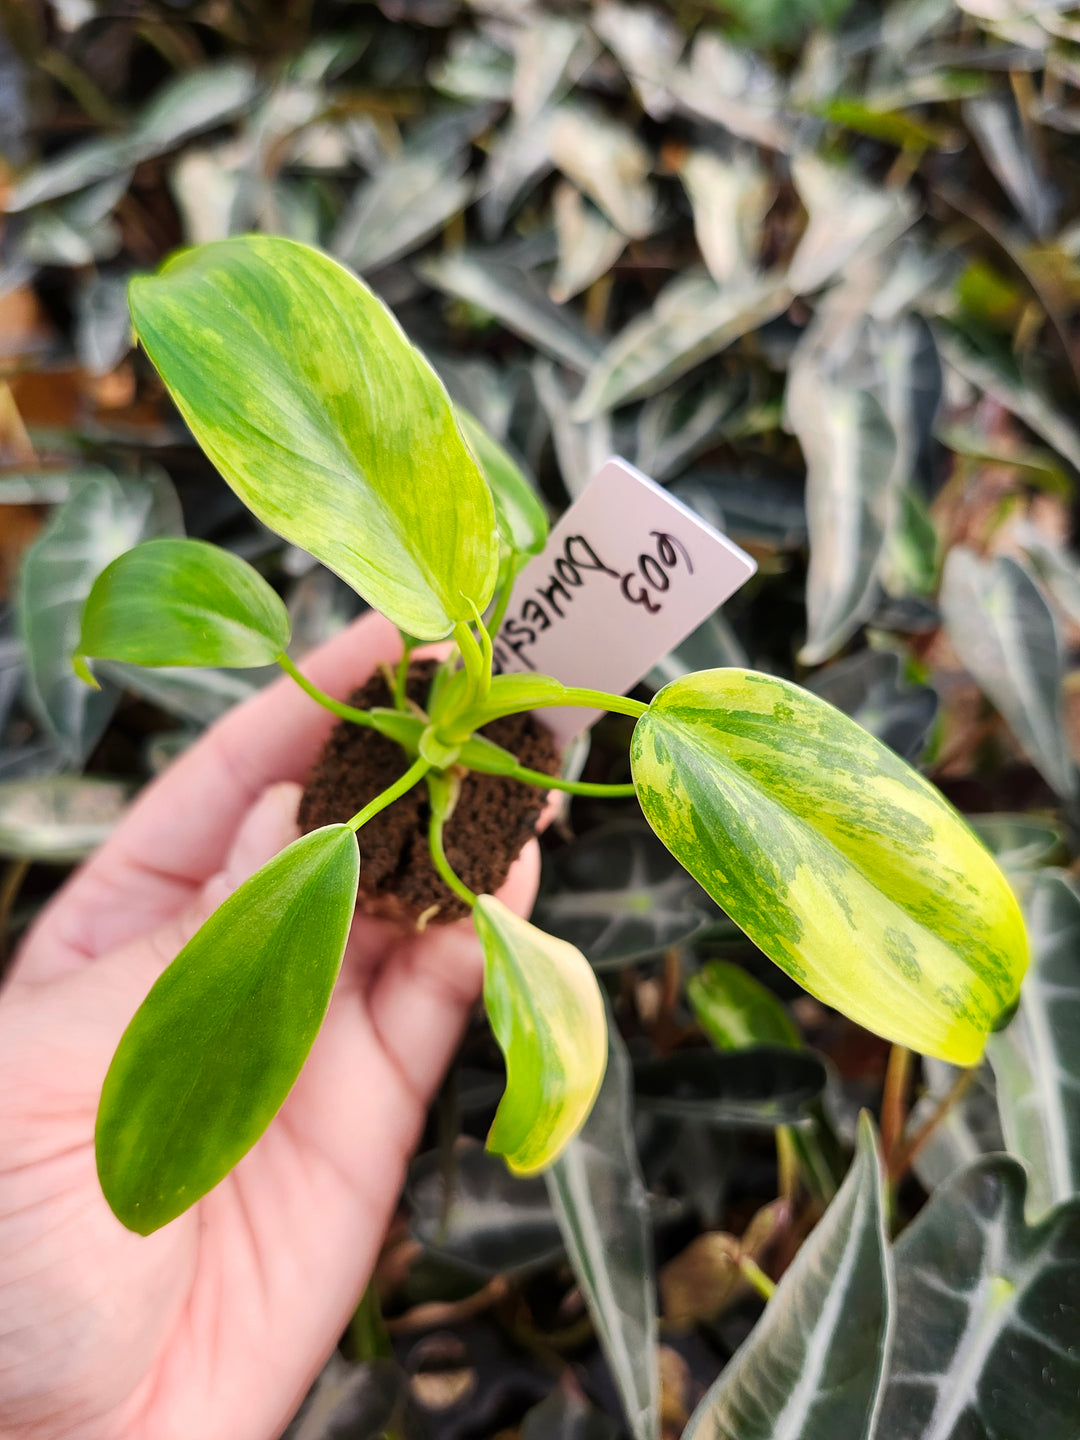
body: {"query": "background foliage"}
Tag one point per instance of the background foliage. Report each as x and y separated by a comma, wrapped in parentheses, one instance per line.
(815, 264)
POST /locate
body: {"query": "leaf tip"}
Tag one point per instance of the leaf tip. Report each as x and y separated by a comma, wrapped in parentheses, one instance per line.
(83, 671)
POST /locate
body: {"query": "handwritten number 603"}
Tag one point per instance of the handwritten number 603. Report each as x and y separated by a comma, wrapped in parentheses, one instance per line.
(652, 571)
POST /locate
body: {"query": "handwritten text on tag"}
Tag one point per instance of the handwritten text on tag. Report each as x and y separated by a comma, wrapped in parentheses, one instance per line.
(626, 574)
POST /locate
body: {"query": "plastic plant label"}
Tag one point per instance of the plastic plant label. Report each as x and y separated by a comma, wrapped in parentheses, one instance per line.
(625, 576)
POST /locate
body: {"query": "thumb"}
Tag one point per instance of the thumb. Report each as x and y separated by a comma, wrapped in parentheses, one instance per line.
(265, 830)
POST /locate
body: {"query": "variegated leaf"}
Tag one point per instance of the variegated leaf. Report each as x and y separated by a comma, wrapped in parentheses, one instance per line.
(1035, 1058)
(609, 163)
(838, 860)
(985, 1336)
(814, 1364)
(1005, 635)
(547, 1013)
(602, 1206)
(693, 319)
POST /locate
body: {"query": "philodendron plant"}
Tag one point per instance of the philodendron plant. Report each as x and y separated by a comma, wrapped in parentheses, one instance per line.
(838, 860)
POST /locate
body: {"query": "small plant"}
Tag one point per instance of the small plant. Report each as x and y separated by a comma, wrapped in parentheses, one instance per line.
(838, 860)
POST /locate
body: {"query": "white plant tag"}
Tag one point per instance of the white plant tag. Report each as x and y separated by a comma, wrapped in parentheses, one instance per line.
(626, 574)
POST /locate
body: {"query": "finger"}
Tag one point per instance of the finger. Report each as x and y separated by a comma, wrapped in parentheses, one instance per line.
(392, 1029)
(178, 832)
(420, 999)
(267, 827)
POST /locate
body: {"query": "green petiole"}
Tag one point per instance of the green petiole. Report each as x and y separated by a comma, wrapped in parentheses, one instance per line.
(398, 727)
(443, 792)
(416, 771)
(472, 657)
(336, 707)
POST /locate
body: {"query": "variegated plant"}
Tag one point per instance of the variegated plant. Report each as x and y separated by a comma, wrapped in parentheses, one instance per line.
(840, 862)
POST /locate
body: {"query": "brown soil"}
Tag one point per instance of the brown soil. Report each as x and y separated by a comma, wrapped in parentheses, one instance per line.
(492, 820)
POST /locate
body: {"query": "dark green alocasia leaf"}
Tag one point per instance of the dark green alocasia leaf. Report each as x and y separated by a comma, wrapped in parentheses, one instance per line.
(519, 511)
(602, 1206)
(869, 686)
(183, 602)
(492, 1222)
(619, 896)
(102, 516)
(985, 1334)
(850, 450)
(735, 1010)
(1019, 842)
(564, 1416)
(838, 860)
(1035, 1059)
(217, 1044)
(355, 1402)
(752, 1089)
(547, 1013)
(1005, 635)
(814, 1364)
(326, 421)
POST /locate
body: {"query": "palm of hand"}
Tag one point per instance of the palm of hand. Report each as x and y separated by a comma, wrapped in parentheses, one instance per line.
(215, 1325)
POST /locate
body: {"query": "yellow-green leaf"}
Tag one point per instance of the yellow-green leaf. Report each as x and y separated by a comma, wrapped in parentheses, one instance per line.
(841, 862)
(306, 394)
(547, 1013)
(183, 602)
(519, 511)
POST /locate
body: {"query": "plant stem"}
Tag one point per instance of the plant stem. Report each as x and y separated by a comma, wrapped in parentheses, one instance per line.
(894, 1100)
(755, 1276)
(472, 658)
(416, 771)
(368, 1329)
(571, 787)
(787, 1163)
(401, 675)
(336, 707)
(596, 700)
(511, 567)
(441, 804)
(472, 718)
(906, 1153)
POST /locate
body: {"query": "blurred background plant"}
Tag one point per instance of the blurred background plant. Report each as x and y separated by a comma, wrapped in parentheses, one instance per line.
(815, 265)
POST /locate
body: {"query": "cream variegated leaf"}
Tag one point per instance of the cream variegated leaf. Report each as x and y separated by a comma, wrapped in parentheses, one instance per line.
(308, 397)
(547, 1013)
(841, 862)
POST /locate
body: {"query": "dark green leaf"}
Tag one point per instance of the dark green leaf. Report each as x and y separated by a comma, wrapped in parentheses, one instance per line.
(985, 1340)
(599, 1197)
(217, 1044)
(492, 1222)
(618, 895)
(753, 1089)
(1005, 635)
(814, 1364)
(101, 517)
(1036, 1059)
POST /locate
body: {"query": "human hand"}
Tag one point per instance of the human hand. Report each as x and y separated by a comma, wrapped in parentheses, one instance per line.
(214, 1326)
